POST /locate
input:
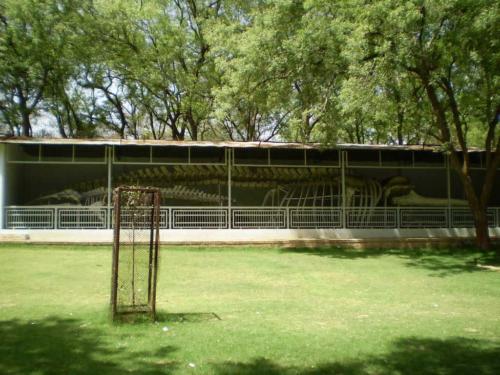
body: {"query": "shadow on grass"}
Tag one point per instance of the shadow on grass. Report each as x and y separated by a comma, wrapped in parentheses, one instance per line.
(164, 317)
(407, 356)
(186, 317)
(66, 346)
(442, 262)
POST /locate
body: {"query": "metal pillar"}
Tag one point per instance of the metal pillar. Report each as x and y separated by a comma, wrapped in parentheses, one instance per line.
(3, 170)
(343, 160)
(109, 160)
(448, 190)
(229, 187)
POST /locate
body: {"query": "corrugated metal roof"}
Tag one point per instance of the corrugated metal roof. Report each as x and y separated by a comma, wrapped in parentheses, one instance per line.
(225, 144)
(152, 142)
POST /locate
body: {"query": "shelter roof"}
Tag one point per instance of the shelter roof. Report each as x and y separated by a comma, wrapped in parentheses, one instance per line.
(222, 144)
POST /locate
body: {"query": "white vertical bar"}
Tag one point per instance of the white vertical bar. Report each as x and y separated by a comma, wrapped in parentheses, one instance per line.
(229, 185)
(55, 218)
(109, 153)
(2, 184)
(343, 161)
(448, 191)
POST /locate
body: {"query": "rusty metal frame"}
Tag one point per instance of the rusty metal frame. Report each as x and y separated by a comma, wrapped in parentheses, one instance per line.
(154, 241)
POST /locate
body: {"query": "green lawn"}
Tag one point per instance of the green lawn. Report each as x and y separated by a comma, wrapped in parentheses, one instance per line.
(253, 311)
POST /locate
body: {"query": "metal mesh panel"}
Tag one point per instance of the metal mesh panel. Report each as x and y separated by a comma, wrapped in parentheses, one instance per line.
(259, 218)
(135, 250)
(29, 218)
(82, 218)
(67, 217)
(186, 218)
(424, 218)
(315, 218)
(371, 218)
(462, 218)
(163, 217)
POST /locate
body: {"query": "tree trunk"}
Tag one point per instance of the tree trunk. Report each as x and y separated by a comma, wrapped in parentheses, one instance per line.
(193, 125)
(194, 132)
(25, 116)
(478, 208)
(478, 205)
(400, 127)
(60, 125)
(481, 223)
(176, 134)
(26, 125)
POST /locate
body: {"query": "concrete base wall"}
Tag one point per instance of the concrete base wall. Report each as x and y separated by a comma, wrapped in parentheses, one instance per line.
(256, 236)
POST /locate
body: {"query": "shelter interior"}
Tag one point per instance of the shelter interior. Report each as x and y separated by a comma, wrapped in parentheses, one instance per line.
(355, 182)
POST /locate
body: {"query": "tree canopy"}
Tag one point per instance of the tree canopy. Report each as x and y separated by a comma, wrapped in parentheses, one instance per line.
(301, 70)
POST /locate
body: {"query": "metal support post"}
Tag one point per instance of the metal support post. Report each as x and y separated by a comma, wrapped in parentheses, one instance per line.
(342, 166)
(109, 160)
(229, 186)
(448, 190)
(3, 185)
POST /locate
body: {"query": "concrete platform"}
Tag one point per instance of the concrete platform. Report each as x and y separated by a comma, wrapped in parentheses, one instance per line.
(346, 237)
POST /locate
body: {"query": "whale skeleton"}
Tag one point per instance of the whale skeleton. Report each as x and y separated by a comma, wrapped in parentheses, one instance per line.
(286, 187)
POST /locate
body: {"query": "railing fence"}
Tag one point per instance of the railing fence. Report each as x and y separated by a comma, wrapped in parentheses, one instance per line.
(68, 217)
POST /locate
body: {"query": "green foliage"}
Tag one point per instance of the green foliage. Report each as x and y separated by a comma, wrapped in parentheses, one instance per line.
(437, 44)
(303, 70)
(35, 45)
(439, 59)
(281, 69)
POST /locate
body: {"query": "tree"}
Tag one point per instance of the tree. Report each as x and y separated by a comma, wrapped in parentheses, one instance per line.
(281, 70)
(158, 57)
(383, 108)
(451, 50)
(34, 40)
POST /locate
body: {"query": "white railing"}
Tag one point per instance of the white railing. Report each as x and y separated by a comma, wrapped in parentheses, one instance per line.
(423, 217)
(259, 218)
(81, 218)
(199, 218)
(462, 218)
(29, 217)
(141, 217)
(315, 218)
(371, 218)
(72, 217)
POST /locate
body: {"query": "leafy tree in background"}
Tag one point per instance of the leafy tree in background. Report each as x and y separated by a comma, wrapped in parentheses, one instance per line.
(32, 39)
(124, 67)
(248, 70)
(378, 110)
(247, 103)
(451, 51)
(281, 69)
(118, 66)
(158, 56)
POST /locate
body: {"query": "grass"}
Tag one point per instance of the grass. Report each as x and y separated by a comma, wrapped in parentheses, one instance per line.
(254, 311)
